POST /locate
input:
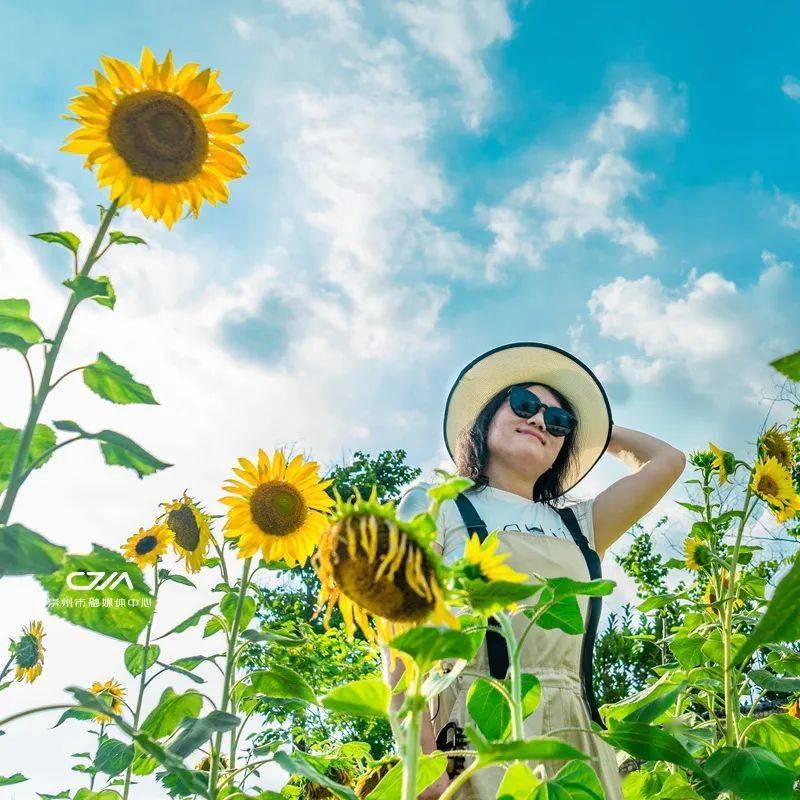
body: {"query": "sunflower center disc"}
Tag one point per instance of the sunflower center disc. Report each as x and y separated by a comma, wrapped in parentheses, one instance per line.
(182, 523)
(392, 599)
(26, 652)
(278, 508)
(767, 486)
(160, 136)
(145, 545)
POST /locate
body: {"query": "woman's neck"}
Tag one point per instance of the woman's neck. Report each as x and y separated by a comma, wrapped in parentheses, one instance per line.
(509, 480)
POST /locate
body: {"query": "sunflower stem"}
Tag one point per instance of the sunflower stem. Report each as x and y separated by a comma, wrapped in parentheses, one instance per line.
(411, 737)
(143, 677)
(37, 404)
(7, 667)
(516, 674)
(226, 683)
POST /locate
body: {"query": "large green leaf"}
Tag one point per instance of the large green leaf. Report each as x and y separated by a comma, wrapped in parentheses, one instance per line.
(190, 621)
(228, 608)
(788, 365)
(99, 289)
(24, 552)
(567, 587)
(428, 644)
(138, 658)
(197, 731)
(64, 238)
(561, 613)
(115, 383)
(574, 781)
(490, 710)
(751, 773)
(646, 705)
(518, 782)
(365, 698)
(118, 450)
(17, 777)
(120, 604)
(537, 748)
(779, 733)
(17, 330)
(282, 683)
(429, 768)
(43, 439)
(489, 597)
(649, 743)
(113, 757)
(171, 710)
(297, 765)
(781, 622)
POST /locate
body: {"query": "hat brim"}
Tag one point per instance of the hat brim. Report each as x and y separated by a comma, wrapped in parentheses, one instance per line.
(534, 362)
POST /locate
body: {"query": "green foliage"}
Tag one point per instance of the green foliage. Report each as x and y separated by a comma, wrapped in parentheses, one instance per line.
(25, 552)
(113, 382)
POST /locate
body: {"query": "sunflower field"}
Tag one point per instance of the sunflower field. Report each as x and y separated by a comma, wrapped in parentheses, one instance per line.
(715, 710)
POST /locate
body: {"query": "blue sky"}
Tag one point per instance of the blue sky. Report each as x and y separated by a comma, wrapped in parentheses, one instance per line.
(427, 179)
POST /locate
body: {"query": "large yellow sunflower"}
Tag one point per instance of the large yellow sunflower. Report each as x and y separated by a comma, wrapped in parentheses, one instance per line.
(157, 135)
(485, 564)
(29, 653)
(147, 546)
(378, 569)
(277, 508)
(772, 482)
(111, 693)
(191, 528)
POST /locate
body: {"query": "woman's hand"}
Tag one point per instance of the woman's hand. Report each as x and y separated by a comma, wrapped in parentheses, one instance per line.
(436, 789)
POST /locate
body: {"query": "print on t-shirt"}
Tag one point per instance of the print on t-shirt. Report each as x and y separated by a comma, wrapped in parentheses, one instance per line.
(536, 530)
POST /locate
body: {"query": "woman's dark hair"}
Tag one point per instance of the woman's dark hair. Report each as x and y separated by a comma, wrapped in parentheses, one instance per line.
(472, 448)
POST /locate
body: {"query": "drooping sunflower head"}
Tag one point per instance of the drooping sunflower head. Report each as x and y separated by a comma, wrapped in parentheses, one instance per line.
(483, 563)
(380, 568)
(28, 653)
(696, 553)
(277, 507)
(712, 599)
(772, 482)
(147, 546)
(373, 776)
(777, 444)
(204, 765)
(111, 694)
(191, 530)
(722, 462)
(311, 790)
(158, 135)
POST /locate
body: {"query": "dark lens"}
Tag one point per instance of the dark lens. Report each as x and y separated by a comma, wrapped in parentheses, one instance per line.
(523, 402)
(558, 421)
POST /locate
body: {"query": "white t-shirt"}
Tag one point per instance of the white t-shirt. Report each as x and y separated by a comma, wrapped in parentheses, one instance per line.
(500, 510)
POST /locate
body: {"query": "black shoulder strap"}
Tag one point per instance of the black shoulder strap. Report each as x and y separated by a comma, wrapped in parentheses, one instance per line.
(495, 641)
(568, 517)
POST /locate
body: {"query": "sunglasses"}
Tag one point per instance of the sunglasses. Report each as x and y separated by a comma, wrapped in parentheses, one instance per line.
(524, 403)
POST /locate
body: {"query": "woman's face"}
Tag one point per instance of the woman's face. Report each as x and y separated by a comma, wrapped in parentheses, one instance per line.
(524, 444)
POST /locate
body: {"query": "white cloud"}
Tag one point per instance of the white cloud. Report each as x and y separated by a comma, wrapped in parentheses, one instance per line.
(791, 87)
(459, 33)
(586, 192)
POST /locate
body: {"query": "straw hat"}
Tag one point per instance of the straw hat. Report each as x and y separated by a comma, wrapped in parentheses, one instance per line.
(534, 362)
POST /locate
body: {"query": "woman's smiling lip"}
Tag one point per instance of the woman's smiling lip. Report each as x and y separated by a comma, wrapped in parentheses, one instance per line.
(531, 432)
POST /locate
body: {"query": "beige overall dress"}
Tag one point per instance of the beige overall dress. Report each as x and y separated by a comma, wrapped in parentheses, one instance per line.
(552, 655)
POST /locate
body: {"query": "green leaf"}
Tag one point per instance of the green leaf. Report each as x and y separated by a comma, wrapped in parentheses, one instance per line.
(489, 597)
(751, 773)
(118, 450)
(181, 671)
(119, 606)
(779, 733)
(428, 644)
(692, 507)
(117, 237)
(649, 743)
(17, 330)
(43, 439)
(135, 661)
(198, 731)
(518, 782)
(272, 636)
(24, 552)
(537, 748)
(189, 622)
(64, 238)
(171, 710)
(563, 614)
(567, 587)
(297, 765)
(781, 622)
(228, 608)
(687, 649)
(788, 365)
(113, 757)
(99, 289)
(429, 768)
(365, 698)
(574, 781)
(283, 683)
(181, 579)
(115, 383)
(646, 705)
(17, 777)
(774, 683)
(490, 710)
(657, 601)
(450, 488)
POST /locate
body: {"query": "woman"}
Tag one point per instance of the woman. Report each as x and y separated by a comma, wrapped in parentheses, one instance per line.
(526, 422)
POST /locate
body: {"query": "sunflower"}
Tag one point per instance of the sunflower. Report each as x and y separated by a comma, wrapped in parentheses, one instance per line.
(157, 135)
(794, 709)
(696, 553)
(147, 546)
(190, 526)
(772, 482)
(111, 693)
(778, 444)
(720, 462)
(483, 563)
(29, 653)
(374, 565)
(788, 510)
(204, 765)
(373, 776)
(710, 595)
(277, 508)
